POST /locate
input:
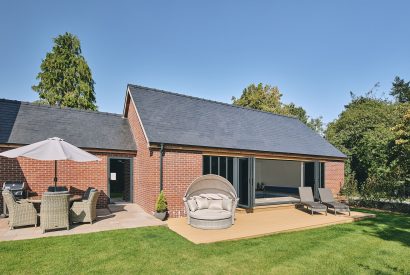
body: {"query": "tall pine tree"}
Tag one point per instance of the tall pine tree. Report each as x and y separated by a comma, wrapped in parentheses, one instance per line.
(65, 80)
(400, 90)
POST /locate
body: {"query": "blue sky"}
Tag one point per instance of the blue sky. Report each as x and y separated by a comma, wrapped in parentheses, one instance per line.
(314, 51)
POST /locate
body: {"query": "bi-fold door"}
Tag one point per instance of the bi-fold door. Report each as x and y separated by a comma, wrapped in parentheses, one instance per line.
(245, 181)
(314, 176)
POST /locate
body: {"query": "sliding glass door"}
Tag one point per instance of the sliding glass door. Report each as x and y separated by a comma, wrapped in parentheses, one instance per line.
(239, 171)
(314, 176)
(246, 181)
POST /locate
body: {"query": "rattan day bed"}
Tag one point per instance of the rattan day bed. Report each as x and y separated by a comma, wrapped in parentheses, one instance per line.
(210, 202)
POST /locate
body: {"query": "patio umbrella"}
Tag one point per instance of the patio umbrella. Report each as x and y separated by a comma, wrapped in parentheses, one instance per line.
(51, 149)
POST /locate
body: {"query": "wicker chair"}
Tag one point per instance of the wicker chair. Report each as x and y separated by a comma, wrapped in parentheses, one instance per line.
(85, 210)
(21, 213)
(54, 211)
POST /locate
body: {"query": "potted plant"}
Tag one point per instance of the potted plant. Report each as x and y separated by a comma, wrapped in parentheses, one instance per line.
(161, 207)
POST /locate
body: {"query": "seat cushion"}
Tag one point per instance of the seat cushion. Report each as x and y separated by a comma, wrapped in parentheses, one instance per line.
(210, 214)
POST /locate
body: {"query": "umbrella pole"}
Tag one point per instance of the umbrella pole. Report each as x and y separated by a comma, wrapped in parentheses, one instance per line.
(55, 176)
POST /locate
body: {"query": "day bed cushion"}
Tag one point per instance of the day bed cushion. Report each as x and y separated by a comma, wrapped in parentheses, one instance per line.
(210, 196)
(215, 204)
(202, 203)
(223, 196)
(227, 204)
(192, 205)
(209, 214)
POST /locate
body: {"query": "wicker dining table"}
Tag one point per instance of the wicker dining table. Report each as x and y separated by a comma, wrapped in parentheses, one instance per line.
(37, 199)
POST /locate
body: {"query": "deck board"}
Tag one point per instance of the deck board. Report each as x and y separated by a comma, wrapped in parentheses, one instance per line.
(262, 223)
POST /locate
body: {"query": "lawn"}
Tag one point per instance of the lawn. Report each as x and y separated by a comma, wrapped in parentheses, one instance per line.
(380, 245)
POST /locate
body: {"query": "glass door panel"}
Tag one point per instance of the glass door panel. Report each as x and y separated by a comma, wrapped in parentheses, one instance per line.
(246, 182)
(243, 170)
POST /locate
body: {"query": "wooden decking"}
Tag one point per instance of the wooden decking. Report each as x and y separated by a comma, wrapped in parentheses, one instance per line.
(260, 223)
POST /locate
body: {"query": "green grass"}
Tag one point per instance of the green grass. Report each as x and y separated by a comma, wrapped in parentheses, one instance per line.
(373, 246)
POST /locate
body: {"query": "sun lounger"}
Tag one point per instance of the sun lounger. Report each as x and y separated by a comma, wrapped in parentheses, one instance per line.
(306, 199)
(326, 197)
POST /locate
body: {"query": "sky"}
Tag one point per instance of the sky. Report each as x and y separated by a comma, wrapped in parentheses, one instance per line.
(316, 52)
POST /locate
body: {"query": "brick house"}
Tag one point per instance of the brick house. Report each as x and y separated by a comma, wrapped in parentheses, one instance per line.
(166, 140)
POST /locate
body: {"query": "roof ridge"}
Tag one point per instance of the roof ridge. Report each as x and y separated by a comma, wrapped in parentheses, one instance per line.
(58, 108)
(209, 100)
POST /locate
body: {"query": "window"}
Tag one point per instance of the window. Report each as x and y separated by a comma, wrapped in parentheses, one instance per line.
(222, 166)
(214, 165)
(322, 175)
(230, 170)
(206, 165)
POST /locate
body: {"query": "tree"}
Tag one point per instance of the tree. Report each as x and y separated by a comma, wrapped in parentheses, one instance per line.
(363, 131)
(261, 97)
(400, 90)
(316, 124)
(269, 99)
(401, 145)
(65, 80)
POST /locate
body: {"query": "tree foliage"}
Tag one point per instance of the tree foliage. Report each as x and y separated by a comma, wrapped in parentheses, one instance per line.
(269, 99)
(400, 90)
(400, 158)
(65, 79)
(373, 132)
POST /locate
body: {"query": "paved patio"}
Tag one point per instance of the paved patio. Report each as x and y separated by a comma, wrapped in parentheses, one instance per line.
(262, 223)
(118, 216)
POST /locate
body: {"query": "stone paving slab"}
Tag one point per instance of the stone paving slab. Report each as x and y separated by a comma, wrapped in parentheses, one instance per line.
(118, 216)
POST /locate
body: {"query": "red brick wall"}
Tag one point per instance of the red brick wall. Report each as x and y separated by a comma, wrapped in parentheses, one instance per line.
(76, 176)
(334, 176)
(179, 170)
(146, 166)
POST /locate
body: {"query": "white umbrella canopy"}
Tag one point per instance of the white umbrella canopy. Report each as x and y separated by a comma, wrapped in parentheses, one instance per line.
(51, 149)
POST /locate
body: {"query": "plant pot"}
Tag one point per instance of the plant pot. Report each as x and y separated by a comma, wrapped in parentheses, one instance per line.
(160, 215)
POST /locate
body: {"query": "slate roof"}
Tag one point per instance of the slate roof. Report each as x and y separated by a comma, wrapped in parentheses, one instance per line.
(26, 123)
(173, 118)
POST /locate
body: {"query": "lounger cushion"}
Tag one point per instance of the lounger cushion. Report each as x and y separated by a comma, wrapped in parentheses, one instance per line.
(209, 214)
(215, 204)
(338, 205)
(314, 205)
(203, 203)
(192, 205)
(227, 204)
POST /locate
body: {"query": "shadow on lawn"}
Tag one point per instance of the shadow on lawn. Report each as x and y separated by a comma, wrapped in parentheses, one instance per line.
(389, 227)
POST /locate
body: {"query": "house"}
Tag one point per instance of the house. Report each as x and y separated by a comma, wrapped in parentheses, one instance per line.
(165, 140)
